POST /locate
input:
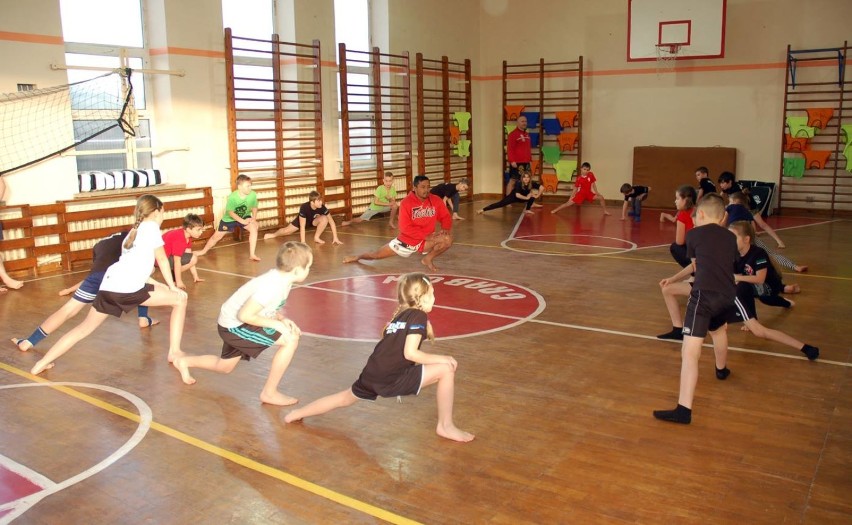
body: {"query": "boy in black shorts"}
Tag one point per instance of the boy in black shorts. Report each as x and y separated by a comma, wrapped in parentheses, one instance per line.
(713, 251)
(250, 321)
(312, 213)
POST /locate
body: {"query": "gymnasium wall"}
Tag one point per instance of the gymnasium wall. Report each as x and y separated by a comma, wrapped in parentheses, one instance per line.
(734, 102)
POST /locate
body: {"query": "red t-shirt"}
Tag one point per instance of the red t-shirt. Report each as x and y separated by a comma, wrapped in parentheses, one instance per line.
(584, 183)
(685, 216)
(417, 218)
(175, 242)
(518, 146)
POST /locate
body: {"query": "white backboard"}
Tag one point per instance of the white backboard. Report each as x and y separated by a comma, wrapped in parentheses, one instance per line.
(697, 26)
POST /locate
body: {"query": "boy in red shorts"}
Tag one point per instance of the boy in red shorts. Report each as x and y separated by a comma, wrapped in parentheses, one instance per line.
(585, 189)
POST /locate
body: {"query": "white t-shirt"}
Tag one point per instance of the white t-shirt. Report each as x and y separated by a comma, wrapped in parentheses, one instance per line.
(133, 268)
(270, 290)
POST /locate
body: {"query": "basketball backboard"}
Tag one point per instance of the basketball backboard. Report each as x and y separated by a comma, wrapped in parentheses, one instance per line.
(697, 27)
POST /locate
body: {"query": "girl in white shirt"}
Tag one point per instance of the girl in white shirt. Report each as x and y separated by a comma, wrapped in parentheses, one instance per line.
(127, 284)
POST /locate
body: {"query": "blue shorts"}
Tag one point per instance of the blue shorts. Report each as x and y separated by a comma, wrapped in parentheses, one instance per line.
(228, 226)
(89, 289)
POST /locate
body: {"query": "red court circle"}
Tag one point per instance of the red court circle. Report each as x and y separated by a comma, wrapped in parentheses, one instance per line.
(358, 308)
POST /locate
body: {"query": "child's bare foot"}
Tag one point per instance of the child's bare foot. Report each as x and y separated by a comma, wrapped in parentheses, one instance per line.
(41, 367)
(346, 223)
(198, 280)
(350, 259)
(175, 354)
(186, 377)
(801, 269)
(792, 288)
(625, 218)
(13, 284)
(744, 328)
(457, 217)
(3, 289)
(554, 210)
(66, 291)
(480, 212)
(201, 253)
(254, 257)
(529, 212)
(537, 205)
(428, 264)
(147, 322)
(662, 217)
(454, 433)
(268, 236)
(292, 416)
(22, 344)
(277, 398)
(792, 304)
(607, 213)
(318, 240)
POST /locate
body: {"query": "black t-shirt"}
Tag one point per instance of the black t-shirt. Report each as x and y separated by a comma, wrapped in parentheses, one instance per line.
(757, 259)
(444, 190)
(388, 361)
(306, 211)
(526, 190)
(107, 251)
(637, 191)
(737, 186)
(714, 249)
(707, 185)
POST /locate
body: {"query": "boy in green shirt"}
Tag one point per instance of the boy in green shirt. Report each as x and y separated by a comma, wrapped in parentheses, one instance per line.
(384, 200)
(240, 212)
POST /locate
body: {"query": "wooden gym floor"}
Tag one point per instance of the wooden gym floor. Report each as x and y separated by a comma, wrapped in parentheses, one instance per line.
(552, 321)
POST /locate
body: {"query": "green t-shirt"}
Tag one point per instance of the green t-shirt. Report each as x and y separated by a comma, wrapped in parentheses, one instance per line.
(382, 194)
(240, 205)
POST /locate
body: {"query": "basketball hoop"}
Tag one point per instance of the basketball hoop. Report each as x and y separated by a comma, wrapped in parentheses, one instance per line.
(667, 55)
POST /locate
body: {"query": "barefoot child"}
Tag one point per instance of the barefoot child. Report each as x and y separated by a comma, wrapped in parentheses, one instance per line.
(250, 322)
(104, 254)
(240, 212)
(7, 279)
(397, 366)
(312, 213)
(126, 285)
(585, 189)
(384, 201)
(449, 192)
(178, 246)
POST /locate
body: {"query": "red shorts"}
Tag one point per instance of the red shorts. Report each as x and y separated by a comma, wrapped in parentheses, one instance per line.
(583, 196)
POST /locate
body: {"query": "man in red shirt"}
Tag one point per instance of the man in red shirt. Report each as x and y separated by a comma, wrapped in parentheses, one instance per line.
(418, 214)
(518, 151)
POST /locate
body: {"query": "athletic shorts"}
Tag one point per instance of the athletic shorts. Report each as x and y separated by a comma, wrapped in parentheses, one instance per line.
(514, 173)
(184, 260)
(407, 385)
(369, 213)
(229, 226)
(583, 196)
(744, 305)
(116, 303)
(706, 311)
(404, 250)
(87, 291)
(246, 341)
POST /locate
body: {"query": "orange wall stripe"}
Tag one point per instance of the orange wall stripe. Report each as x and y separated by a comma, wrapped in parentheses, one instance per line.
(31, 38)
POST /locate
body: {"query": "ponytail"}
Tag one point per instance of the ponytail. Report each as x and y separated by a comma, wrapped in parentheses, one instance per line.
(145, 206)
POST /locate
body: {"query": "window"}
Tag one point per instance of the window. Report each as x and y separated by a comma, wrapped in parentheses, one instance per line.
(248, 18)
(93, 46)
(352, 27)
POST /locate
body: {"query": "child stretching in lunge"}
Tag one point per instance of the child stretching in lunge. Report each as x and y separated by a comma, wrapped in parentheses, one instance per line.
(311, 214)
(713, 250)
(737, 211)
(240, 212)
(585, 189)
(126, 285)
(397, 366)
(250, 322)
(729, 185)
(104, 254)
(178, 246)
(752, 270)
(384, 201)
(525, 191)
(685, 198)
(633, 197)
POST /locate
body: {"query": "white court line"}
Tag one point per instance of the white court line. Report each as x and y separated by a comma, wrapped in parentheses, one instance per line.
(20, 506)
(25, 472)
(567, 325)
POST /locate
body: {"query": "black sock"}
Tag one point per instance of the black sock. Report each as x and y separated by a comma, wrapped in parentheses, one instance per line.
(676, 334)
(811, 351)
(681, 414)
(722, 373)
